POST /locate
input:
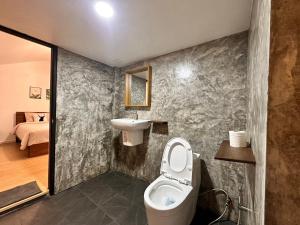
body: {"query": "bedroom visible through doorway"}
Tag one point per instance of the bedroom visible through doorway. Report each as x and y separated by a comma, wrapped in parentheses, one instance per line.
(25, 81)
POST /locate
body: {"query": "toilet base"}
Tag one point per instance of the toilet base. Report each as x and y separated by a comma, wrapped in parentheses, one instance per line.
(183, 217)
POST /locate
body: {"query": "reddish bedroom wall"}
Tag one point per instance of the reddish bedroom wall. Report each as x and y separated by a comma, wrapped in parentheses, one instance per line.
(15, 80)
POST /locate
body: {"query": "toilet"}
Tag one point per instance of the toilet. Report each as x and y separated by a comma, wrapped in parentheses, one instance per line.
(171, 199)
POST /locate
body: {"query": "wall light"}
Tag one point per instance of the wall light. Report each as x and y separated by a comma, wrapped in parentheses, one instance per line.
(104, 9)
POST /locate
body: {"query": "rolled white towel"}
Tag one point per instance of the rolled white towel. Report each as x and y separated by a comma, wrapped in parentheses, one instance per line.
(237, 139)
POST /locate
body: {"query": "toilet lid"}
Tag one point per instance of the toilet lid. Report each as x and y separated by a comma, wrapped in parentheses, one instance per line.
(177, 161)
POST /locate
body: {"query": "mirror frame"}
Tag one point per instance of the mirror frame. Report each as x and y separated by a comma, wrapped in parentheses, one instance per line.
(128, 76)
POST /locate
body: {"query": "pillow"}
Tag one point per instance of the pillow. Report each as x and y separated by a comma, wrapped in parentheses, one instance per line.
(40, 117)
(29, 117)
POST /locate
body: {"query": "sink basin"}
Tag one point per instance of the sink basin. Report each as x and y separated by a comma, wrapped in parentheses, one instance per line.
(132, 130)
(130, 124)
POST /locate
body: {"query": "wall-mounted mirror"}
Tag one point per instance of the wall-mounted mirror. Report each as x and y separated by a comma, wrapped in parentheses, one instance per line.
(138, 88)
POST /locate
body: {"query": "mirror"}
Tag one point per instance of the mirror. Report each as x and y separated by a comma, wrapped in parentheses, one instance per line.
(138, 88)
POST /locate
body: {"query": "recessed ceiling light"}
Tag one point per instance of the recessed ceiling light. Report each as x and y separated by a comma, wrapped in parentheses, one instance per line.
(104, 9)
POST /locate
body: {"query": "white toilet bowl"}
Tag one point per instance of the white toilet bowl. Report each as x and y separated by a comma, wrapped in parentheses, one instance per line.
(171, 199)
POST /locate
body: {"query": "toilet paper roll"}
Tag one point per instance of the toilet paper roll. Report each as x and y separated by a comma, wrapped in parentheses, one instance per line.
(237, 139)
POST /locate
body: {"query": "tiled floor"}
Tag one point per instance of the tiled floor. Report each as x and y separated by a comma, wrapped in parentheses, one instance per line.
(109, 199)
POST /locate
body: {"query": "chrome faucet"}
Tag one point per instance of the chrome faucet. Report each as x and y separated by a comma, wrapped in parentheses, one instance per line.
(136, 115)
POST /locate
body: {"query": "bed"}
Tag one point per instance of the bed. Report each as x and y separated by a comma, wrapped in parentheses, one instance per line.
(32, 136)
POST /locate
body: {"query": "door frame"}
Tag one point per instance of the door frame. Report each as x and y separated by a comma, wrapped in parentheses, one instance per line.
(53, 88)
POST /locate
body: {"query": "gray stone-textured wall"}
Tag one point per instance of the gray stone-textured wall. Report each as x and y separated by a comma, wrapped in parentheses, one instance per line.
(201, 92)
(258, 73)
(138, 90)
(84, 109)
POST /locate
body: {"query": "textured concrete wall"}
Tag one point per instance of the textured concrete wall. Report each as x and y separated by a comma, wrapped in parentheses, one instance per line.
(138, 90)
(283, 139)
(258, 72)
(84, 109)
(201, 92)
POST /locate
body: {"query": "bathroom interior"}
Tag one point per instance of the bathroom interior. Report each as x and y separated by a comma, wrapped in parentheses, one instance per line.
(143, 96)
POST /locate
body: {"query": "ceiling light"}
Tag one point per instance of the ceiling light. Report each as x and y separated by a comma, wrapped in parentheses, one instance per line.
(104, 9)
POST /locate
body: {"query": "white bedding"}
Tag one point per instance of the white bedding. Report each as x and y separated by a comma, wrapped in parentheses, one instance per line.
(31, 133)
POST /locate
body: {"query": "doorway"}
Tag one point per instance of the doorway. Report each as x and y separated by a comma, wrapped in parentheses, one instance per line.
(27, 117)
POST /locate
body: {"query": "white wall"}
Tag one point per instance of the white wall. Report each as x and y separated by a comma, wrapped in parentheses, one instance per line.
(15, 80)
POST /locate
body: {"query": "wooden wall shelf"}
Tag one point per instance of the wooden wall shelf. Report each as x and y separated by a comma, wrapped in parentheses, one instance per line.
(242, 155)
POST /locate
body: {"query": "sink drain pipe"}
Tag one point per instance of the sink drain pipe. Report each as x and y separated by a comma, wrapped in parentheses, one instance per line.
(227, 202)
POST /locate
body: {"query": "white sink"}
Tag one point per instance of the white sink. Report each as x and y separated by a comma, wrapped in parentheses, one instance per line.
(132, 130)
(130, 124)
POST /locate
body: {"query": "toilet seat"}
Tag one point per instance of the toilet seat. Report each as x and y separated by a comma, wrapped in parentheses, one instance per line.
(177, 161)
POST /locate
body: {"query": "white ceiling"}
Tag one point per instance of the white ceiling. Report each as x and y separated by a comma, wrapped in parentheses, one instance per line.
(17, 50)
(139, 29)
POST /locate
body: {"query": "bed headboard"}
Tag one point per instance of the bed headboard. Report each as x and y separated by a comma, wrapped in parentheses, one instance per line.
(20, 117)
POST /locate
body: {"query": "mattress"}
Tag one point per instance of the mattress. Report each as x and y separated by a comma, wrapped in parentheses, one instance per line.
(31, 133)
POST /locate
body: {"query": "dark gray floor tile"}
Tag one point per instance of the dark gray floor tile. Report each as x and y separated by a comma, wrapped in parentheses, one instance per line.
(135, 192)
(80, 211)
(90, 186)
(96, 216)
(67, 198)
(101, 194)
(41, 213)
(65, 221)
(109, 199)
(116, 206)
(134, 215)
(117, 181)
(46, 220)
(36, 214)
(10, 220)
